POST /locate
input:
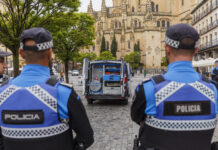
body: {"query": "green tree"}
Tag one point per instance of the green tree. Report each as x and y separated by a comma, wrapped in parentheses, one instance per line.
(70, 39)
(134, 59)
(164, 61)
(103, 45)
(136, 48)
(106, 55)
(114, 47)
(90, 56)
(19, 15)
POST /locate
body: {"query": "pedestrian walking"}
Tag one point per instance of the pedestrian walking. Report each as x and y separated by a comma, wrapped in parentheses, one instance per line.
(3, 66)
(144, 73)
(214, 72)
(39, 112)
(177, 110)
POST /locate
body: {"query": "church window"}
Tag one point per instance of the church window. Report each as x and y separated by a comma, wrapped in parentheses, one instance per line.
(129, 45)
(157, 8)
(139, 24)
(182, 2)
(152, 6)
(133, 9)
(163, 23)
(116, 25)
(139, 2)
(119, 25)
(138, 44)
(158, 23)
(136, 23)
(168, 23)
(93, 47)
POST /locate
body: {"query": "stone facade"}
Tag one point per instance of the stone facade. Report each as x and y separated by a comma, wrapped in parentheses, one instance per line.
(206, 22)
(139, 21)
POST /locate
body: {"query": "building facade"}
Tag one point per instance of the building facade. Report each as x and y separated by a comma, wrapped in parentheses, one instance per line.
(205, 20)
(142, 22)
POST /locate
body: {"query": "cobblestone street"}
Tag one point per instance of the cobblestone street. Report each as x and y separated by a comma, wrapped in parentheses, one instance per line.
(111, 121)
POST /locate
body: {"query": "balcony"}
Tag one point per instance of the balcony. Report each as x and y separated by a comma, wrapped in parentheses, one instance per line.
(209, 27)
(207, 45)
(208, 10)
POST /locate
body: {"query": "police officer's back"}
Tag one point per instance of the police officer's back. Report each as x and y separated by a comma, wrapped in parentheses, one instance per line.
(176, 110)
(38, 112)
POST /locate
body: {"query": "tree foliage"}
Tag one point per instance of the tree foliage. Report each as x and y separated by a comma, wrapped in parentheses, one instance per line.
(106, 55)
(114, 47)
(103, 45)
(90, 56)
(19, 15)
(136, 48)
(164, 61)
(78, 34)
(134, 59)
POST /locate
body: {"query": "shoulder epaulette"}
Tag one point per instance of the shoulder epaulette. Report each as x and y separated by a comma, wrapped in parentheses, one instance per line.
(66, 84)
(146, 80)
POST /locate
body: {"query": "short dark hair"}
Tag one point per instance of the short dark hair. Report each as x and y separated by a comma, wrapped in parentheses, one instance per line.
(33, 56)
(2, 59)
(187, 42)
(216, 62)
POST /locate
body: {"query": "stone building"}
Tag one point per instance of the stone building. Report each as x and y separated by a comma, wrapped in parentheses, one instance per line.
(139, 21)
(206, 22)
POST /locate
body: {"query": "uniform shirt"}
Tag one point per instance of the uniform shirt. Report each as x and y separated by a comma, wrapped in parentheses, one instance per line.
(69, 104)
(212, 72)
(3, 78)
(143, 102)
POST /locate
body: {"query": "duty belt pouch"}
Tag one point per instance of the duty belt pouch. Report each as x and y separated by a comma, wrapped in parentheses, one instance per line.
(214, 146)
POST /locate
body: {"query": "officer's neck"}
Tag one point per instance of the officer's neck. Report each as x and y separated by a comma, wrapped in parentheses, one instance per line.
(179, 58)
(46, 64)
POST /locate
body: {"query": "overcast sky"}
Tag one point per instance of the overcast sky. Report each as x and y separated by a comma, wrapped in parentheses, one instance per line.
(96, 4)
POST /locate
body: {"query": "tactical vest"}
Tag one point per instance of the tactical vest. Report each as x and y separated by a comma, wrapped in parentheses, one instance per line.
(30, 112)
(183, 107)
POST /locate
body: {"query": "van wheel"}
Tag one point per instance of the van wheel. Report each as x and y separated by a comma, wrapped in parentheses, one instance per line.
(90, 101)
(125, 101)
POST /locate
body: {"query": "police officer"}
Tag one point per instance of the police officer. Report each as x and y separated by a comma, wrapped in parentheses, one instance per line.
(3, 66)
(37, 112)
(214, 72)
(176, 110)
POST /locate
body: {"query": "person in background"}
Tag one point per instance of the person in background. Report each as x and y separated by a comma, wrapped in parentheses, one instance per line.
(3, 77)
(214, 72)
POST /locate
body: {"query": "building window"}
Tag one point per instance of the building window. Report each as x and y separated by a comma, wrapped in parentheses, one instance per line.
(136, 23)
(133, 9)
(139, 2)
(152, 6)
(129, 45)
(116, 25)
(157, 8)
(158, 23)
(163, 23)
(168, 24)
(93, 47)
(139, 24)
(138, 44)
(211, 20)
(182, 2)
(119, 25)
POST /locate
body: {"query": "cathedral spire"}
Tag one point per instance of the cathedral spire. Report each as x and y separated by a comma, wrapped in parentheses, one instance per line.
(90, 8)
(103, 7)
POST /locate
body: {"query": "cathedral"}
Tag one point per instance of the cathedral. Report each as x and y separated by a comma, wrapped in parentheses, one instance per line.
(142, 22)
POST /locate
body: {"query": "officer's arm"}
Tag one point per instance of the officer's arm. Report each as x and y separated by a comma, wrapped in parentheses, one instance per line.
(139, 105)
(79, 120)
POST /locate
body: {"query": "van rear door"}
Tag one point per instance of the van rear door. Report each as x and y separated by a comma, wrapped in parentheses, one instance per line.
(85, 76)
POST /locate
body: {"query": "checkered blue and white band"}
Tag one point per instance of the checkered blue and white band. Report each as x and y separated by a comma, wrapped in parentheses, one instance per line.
(181, 125)
(41, 46)
(23, 133)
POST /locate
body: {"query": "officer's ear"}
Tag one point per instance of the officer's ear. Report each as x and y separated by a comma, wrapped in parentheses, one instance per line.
(196, 51)
(168, 49)
(50, 54)
(21, 53)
